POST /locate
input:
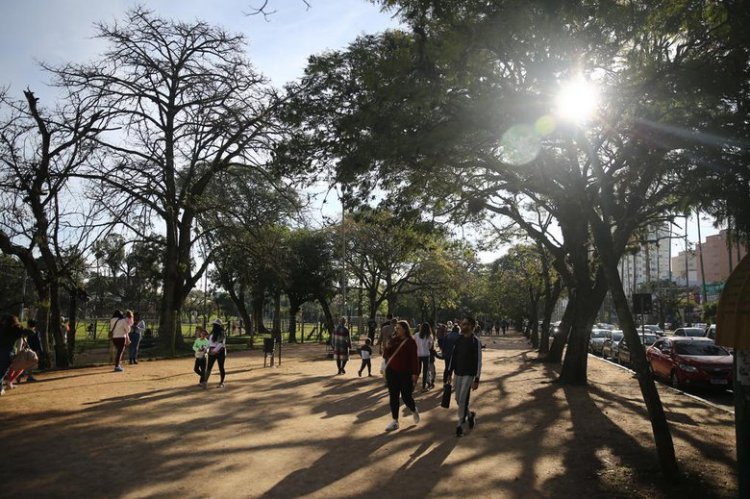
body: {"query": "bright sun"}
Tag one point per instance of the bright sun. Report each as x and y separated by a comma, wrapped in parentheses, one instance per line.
(577, 100)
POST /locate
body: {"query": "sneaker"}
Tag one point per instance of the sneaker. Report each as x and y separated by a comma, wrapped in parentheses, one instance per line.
(472, 419)
(221, 385)
(359, 373)
(118, 369)
(203, 385)
(392, 426)
(415, 415)
(2, 390)
(459, 431)
(135, 362)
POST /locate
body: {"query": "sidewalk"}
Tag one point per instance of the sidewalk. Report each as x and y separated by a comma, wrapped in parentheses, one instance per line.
(300, 430)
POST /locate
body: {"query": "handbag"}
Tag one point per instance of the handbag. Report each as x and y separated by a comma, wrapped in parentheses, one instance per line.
(446, 400)
(24, 359)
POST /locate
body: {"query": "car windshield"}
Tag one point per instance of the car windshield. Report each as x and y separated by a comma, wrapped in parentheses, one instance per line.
(693, 331)
(598, 333)
(648, 339)
(699, 349)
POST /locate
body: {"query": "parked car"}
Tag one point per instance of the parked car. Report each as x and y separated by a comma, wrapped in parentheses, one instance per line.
(609, 348)
(623, 351)
(689, 361)
(597, 339)
(651, 328)
(711, 332)
(693, 332)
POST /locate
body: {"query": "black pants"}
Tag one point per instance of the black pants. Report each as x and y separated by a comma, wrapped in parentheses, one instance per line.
(365, 363)
(216, 358)
(341, 364)
(200, 367)
(399, 383)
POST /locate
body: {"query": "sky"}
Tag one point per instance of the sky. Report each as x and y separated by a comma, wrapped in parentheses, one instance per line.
(59, 31)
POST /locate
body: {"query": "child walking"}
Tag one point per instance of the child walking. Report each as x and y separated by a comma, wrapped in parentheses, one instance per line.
(366, 353)
(200, 347)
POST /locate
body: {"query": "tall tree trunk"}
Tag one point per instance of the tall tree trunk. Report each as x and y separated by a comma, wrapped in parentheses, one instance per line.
(294, 307)
(561, 338)
(659, 425)
(277, 313)
(55, 323)
(588, 301)
(550, 299)
(327, 313)
(73, 322)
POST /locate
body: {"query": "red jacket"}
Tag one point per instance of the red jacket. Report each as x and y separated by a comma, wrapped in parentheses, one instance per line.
(406, 359)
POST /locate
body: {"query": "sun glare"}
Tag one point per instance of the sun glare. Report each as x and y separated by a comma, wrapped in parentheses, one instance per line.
(576, 101)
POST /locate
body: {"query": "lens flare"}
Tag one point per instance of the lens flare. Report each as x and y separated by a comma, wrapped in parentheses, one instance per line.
(577, 100)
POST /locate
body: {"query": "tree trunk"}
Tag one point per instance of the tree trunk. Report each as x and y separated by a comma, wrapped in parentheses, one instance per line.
(659, 425)
(73, 322)
(550, 299)
(561, 339)
(276, 329)
(327, 312)
(55, 323)
(294, 307)
(588, 301)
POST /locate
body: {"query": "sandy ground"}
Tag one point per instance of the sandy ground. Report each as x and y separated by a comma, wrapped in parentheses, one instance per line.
(298, 430)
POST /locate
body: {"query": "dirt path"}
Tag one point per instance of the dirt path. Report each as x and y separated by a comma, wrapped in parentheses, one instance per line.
(299, 430)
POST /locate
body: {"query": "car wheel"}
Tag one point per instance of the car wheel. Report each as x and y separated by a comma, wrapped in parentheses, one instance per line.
(675, 381)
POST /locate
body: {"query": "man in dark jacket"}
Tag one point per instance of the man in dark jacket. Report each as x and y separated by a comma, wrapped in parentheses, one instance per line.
(466, 363)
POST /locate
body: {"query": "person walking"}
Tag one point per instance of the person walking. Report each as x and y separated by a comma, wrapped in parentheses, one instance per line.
(217, 352)
(466, 363)
(424, 347)
(386, 331)
(401, 372)
(366, 353)
(119, 328)
(200, 347)
(136, 333)
(35, 343)
(447, 344)
(341, 342)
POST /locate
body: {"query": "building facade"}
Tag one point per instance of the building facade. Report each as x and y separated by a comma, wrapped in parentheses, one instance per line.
(719, 259)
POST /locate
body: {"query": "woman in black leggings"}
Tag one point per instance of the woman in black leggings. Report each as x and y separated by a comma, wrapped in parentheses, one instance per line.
(217, 352)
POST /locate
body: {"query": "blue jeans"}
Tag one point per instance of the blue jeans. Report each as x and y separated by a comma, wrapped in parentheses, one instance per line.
(135, 339)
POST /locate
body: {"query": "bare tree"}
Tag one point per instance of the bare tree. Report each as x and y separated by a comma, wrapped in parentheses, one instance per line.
(189, 106)
(43, 220)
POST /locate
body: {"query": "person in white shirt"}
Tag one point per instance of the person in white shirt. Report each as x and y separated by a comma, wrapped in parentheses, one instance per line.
(119, 327)
(424, 347)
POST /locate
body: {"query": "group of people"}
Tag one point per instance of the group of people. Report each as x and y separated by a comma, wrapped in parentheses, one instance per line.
(210, 349)
(126, 330)
(406, 356)
(20, 351)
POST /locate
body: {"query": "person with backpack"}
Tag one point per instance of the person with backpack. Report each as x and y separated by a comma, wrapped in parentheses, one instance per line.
(466, 364)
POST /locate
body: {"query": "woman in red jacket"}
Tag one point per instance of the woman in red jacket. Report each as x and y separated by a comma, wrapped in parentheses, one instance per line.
(401, 372)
